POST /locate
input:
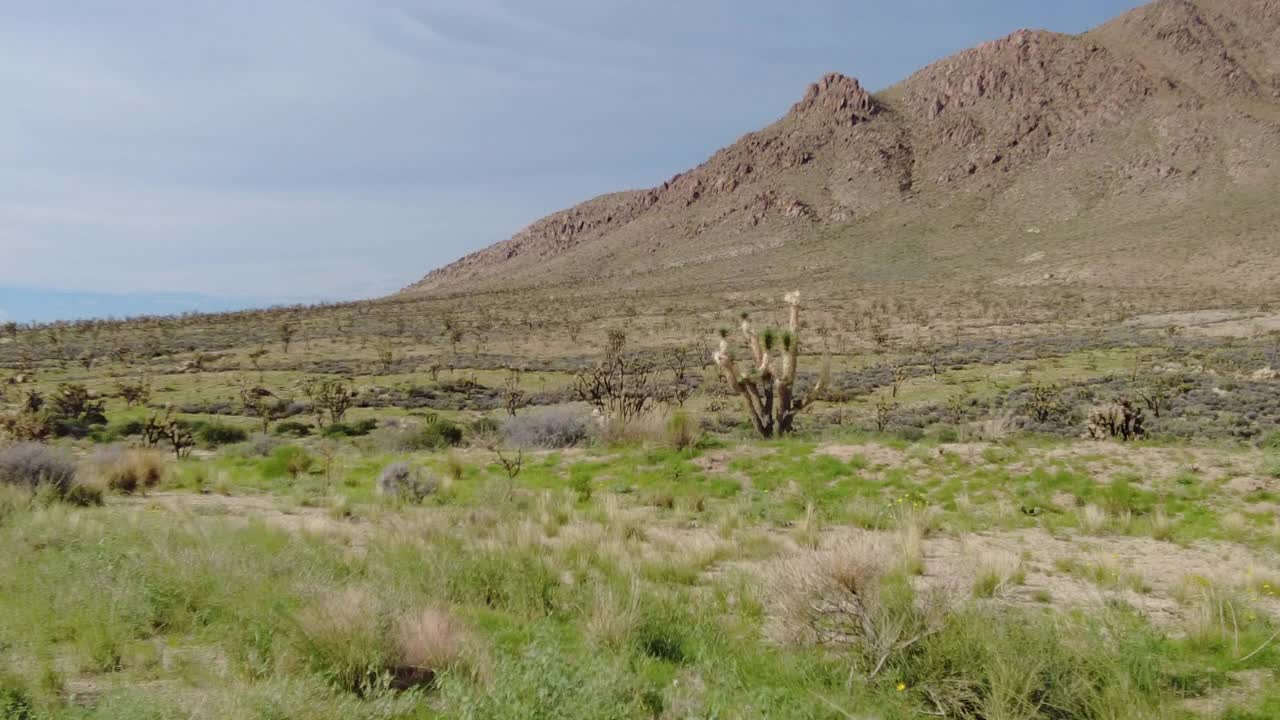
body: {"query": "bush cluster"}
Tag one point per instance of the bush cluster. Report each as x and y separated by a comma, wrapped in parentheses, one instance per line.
(552, 428)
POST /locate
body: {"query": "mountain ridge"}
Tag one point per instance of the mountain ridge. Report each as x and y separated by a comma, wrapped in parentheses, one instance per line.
(1037, 137)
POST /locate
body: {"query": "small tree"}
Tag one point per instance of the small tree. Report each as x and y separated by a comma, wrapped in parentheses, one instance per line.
(287, 332)
(164, 428)
(330, 397)
(512, 395)
(767, 389)
(1046, 403)
(257, 402)
(386, 355)
(1159, 391)
(135, 393)
(1120, 419)
(620, 387)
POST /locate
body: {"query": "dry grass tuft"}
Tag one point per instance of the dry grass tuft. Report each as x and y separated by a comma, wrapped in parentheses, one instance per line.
(996, 573)
(130, 471)
(814, 596)
(613, 617)
(1093, 519)
(426, 643)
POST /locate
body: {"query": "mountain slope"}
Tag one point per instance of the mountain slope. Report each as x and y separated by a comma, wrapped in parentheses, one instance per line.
(1143, 153)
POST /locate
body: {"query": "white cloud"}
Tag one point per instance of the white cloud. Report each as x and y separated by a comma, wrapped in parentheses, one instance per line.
(339, 147)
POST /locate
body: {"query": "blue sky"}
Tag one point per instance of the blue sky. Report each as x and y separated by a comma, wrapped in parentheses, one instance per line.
(157, 156)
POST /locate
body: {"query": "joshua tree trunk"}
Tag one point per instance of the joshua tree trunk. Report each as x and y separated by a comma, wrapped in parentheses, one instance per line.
(767, 388)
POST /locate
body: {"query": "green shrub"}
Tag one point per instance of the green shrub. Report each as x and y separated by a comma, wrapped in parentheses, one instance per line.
(542, 683)
(15, 701)
(287, 461)
(503, 580)
(116, 432)
(438, 435)
(292, 428)
(682, 432)
(343, 638)
(215, 434)
(662, 634)
(359, 428)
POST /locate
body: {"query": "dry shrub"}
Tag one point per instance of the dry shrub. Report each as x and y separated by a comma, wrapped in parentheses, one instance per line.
(13, 499)
(552, 428)
(647, 428)
(129, 471)
(34, 466)
(850, 596)
(822, 596)
(426, 643)
(613, 616)
(406, 483)
(996, 572)
(1093, 519)
(350, 638)
(995, 429)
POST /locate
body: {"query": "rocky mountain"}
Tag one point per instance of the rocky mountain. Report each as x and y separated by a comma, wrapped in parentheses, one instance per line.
(1143, 153)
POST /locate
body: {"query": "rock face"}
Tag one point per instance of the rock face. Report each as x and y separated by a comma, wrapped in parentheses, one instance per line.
(1095, 140)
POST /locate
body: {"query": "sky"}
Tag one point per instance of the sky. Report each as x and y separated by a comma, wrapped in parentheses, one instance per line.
(160, 156)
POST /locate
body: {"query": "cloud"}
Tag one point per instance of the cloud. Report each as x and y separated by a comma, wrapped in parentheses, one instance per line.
(322, 148)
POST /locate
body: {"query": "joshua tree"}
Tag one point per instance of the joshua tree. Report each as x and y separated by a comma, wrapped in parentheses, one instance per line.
(330, 396)
(386, 355)
(621, 387)
(769, 391)
(257, 402)
(287, 331)
(512, 395)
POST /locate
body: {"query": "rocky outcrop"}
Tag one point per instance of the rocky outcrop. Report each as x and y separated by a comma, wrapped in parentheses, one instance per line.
(981, 121)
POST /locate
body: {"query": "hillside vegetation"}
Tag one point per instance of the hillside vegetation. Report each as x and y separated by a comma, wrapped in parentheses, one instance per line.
(1011, 452)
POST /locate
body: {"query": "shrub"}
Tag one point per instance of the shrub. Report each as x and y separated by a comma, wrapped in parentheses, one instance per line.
(34, 466)
(84, 495)
(406, 483)
(289, 460)
(262, 444)
(27, 426)
(425, 644)
(292, 428)
(542, 683)
(359, 428)
(13, 499)
(1271, 441)
(560, 427)
(349, 638)
(341, 637)
(76, 411)
(436, 434)
(15, 701)
(485, 426)
(681, 432)
(217, 434)
(113, 432)
(660, 634)
(128, 471)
